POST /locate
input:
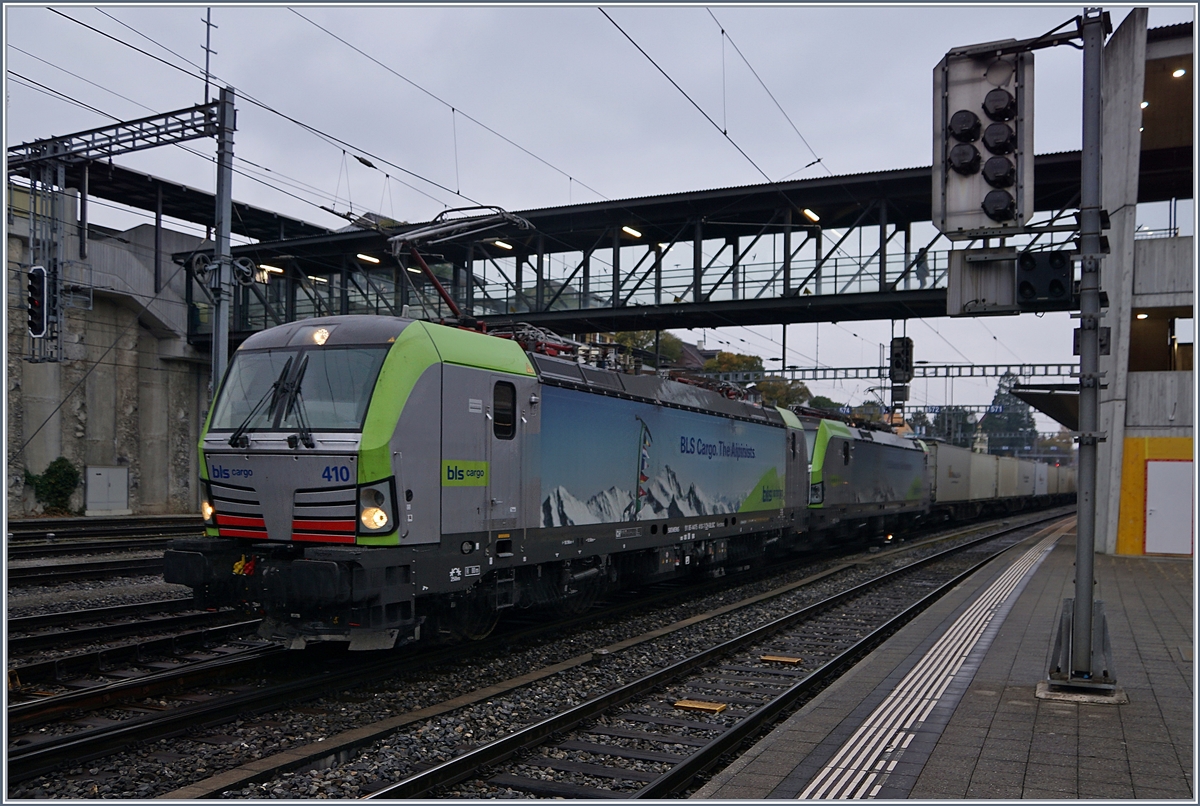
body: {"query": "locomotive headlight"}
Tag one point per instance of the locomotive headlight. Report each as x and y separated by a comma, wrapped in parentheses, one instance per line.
(375, 507)
(206, 510)
(374, 518)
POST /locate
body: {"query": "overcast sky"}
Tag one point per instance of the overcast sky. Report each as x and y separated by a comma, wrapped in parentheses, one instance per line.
(590, 116)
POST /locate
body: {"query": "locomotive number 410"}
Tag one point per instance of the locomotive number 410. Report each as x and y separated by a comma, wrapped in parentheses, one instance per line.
(334, 473)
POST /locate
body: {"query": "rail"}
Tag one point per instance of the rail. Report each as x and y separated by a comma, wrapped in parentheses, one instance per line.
(464, 766)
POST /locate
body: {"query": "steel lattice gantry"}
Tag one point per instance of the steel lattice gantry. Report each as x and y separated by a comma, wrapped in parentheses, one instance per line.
(731, 256)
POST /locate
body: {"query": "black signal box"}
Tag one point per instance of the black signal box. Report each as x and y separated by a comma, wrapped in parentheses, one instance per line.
(1045, 281)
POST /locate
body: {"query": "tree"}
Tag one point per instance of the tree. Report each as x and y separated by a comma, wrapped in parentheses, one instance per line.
(824, 404)
(669, 346)
(955, 425)
(920, 423)
(54, 487)
(783, 393)
(733, 362)
(1057, 448)
(1013, 431)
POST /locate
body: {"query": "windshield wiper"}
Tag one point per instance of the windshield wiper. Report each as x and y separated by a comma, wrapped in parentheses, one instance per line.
(238, 438)
(296, 400)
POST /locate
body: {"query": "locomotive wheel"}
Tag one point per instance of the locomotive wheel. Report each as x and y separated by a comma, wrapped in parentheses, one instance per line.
(474, 618)
(588, 591)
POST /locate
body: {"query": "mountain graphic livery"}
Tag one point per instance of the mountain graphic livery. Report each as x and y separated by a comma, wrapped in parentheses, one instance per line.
(665, 498)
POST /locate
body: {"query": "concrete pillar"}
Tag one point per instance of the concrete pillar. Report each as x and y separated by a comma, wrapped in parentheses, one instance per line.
(100, 390)
(152, 419)
(1124, 84)
(42, 387)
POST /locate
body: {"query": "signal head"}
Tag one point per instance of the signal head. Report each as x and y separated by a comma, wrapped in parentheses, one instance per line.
(999, 205)
(965, 126)
(999, 104)
(999, 172)
(999, 138)
(964, 159)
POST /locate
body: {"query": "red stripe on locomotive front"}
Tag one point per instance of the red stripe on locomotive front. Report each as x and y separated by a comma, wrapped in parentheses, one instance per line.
(235, 520)
(344, 527)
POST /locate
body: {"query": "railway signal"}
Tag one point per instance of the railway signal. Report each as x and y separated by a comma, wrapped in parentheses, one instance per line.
(982, 142)
(1045, 281)
(38, 288)
(900, 368)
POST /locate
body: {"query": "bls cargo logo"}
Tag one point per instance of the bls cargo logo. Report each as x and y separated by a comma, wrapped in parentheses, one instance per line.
(464, 474)
(221, 472)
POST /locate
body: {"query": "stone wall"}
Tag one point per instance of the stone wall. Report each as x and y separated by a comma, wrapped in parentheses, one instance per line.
(133, 395)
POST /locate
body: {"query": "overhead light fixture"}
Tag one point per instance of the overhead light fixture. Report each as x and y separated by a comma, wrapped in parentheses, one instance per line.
(1180, 73)
(502, 244)
(1145, 104)
(368, 258)
(318, 279)
(666, 247)
(1143, 316)
(631, 231)
(414, 269)
(272, 269)
(810, 215)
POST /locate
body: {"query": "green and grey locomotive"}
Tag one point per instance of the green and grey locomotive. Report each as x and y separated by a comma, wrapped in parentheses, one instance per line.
(372, 479)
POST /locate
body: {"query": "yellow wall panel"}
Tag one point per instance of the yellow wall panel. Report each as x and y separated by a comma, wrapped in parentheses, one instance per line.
(1131, 528)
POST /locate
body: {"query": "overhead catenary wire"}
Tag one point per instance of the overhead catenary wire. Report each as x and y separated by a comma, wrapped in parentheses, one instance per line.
(683, 92)
(58, 95)
(763, 84)
(291, 181)
(943, 338)
(993, 335)
(453, 109)
(329, 138)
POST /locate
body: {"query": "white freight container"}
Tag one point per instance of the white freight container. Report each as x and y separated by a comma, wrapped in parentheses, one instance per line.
(1026, 477)
(1041, 479)
(950, 473)
(1008, 476)
(1066, 480)
(984, 473)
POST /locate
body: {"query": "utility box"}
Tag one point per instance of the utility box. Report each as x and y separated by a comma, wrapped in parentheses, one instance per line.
(107, 491)
(982, 282)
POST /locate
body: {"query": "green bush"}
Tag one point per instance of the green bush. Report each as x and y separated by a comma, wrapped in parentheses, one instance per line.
(54, 487)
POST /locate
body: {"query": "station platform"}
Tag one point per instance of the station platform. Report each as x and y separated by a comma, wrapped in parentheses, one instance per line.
(948, 708)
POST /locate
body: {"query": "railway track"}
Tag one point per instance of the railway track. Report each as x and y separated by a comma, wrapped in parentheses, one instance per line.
(407, 729)
(30, 634)
(142, 722)
(51, 574)
(26, 529)
(47, 537)
(678, 721)
(26, 550)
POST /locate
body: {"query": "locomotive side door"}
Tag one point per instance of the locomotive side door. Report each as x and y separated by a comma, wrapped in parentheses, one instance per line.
(796, 479)
(504, 437)
(466, 430)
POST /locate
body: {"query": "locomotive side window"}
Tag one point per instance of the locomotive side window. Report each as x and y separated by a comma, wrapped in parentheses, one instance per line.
(810, 442)
(504, 410)
(845, 453)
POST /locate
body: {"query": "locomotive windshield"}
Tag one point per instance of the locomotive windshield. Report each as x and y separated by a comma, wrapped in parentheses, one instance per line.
(290, 389)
